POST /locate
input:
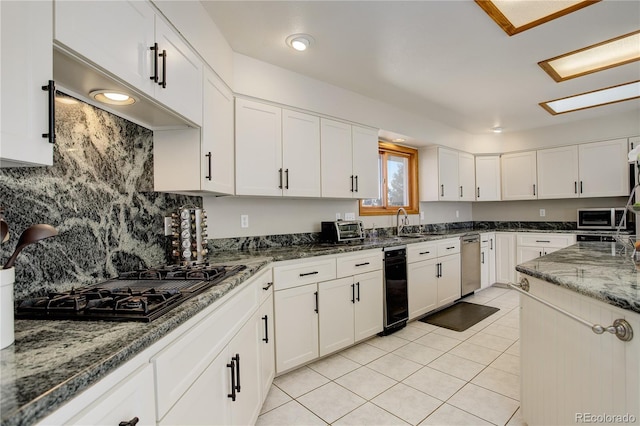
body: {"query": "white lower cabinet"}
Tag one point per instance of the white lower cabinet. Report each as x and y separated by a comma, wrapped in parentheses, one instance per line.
(449, 280)
(532, 245)
(487, 259)
(422, 287)
(267, 346)
(505, 257)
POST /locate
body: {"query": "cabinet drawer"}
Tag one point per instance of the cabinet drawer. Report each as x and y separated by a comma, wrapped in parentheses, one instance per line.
(421, 251)
(447, 247)
(365, 261)
(178, 365)
(303, 273)
(546, 240)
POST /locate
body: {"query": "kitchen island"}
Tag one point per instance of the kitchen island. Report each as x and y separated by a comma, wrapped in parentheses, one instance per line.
(569, 374)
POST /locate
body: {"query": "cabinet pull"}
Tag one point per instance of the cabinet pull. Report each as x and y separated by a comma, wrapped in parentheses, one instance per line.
(356, 183)
(304, 274)
(232, 366)
(450, 248)
(478, 196)
(461, 192)
(543, 241)
(358, 294)
(286, 185)
(51, 101)
(362, 264)
(424, 252)
(438, 270)
(163, 83)
(280, 178)
(581, 187)
(316, 309)
(154, 49)
(237, 359)
(575, 186)
(534, 189)
(208, 155)
(490, 243)
(266, 329)
(539, 254)
(351, 183)
(442, 190)
(482, 258)
(133, 422)
(353, 293)
(268, 286)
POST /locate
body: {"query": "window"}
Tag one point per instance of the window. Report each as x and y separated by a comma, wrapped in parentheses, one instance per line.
(398, 171)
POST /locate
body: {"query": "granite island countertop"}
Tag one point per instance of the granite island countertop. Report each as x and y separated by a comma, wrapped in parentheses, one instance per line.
(601, 270)
(51, 362)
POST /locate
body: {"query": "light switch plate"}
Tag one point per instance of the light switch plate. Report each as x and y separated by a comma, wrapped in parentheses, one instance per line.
(244, 220)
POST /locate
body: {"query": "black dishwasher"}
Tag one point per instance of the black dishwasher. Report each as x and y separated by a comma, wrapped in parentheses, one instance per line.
(396, 303)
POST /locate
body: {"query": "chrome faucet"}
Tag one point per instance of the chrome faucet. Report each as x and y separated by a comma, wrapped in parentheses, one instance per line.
(405, 220)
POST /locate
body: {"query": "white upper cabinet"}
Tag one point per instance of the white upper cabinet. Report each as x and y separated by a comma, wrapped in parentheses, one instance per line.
(488, 178)
(144, 52)
(558, 172)
(446, 175)
(519, 176)
(349, 159)
(27, 66)
(300, 154)
(604, 169)
(277, 151)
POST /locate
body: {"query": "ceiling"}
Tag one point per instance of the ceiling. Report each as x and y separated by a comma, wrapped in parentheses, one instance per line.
(446, 60)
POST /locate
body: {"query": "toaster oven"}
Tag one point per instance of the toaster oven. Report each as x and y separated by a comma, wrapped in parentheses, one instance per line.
(341, 231)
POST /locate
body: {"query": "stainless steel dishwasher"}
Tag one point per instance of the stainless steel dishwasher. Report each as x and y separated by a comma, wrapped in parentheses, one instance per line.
(470, 263)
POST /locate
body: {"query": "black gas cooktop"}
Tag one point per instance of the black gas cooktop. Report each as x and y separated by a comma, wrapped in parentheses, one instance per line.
(141, 295)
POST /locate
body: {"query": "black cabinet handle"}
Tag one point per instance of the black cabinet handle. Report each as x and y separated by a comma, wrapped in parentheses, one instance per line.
(280, 178)
(424, 252)
(442, 190)
(543, 241)
(133, 422)
(451, 248)
(358, 296)
(286, 172)
(461, 192)
(362, 264)
(534, 189)
(478, 196)
(575, 187)
(154, 49)
(232, 366)
(268, 286)
(308, 273)
(208, 155)
(266, 329)
(356, 183)
(316, 309)
(163, 83)
(581, 187)
(237, 359)
(540, 254)
(490, 243)
(51, 101)
(353, 293)
(351, 183)
(482, 258)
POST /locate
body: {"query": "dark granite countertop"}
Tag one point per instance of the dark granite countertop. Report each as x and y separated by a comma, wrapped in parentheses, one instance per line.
(601, 270)
(53, 361)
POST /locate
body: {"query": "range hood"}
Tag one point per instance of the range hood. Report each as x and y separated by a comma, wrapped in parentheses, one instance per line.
(77, 77)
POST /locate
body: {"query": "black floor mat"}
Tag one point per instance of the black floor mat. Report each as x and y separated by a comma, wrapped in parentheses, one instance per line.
(460, 316)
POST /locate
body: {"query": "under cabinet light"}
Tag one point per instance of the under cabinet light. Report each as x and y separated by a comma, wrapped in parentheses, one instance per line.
(606, 96)
(112, 97)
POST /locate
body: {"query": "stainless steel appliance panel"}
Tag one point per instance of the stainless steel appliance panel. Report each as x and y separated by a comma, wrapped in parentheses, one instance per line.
(470, 263)
(396, 302)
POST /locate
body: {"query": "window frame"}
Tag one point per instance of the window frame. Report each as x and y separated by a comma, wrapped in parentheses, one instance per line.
(386, 148)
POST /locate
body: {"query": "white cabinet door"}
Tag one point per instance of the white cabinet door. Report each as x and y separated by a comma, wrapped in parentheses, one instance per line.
(133, 397)
(525, 254)
(365, 162)
(296, 324)
(505, 257)
(267, 346)
(336, 159)
(449, 280)
(180, 69)
(519, 176)
(369, 306)
(484, 267)
(26, 66)
(466, 176)
(448, 175)
(558, 172)
(217, 153)
(258, 149)
(422, 287)
(491, 237)
(300, 154)
(604, 171)
(126, 52)
(336, 300)
(488, 178)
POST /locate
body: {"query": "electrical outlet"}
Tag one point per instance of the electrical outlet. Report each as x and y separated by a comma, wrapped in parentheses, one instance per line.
(338, 216)
(421, 215)
(167, 226)
(457, 213)
(349, 216)
(244, 220)
(543, 213)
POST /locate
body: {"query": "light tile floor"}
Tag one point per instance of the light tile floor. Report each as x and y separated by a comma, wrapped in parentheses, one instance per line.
(421, 374)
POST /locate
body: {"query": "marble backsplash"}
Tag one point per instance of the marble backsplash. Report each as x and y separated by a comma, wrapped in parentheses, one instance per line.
(98, 195)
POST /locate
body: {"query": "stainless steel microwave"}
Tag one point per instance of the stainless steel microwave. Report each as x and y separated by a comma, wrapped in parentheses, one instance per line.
(342, 230)
(602, 218)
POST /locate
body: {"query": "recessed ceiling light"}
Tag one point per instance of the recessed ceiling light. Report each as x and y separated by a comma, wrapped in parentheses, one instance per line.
(497, 129)
(299, 42)
(517, 16)
(609, 95)
(112, 97)
(608, 54)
